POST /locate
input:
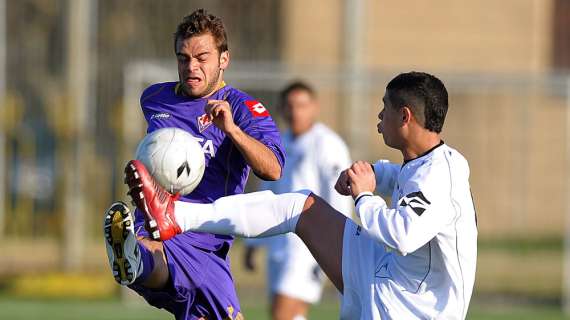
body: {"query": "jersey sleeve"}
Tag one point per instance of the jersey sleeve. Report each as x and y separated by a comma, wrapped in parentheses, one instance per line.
(419, 215)
(146, 95)
(333, 158)
(386, 176)
(254, 119)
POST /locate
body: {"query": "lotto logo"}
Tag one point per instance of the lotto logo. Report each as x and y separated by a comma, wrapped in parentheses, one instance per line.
(161, 115)
(256, 108)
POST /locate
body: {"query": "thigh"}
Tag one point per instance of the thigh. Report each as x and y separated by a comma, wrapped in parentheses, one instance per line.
(202, 278)
(321, 228)
(199, 285)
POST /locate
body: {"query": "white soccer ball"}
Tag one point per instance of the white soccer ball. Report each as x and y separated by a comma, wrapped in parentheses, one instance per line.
(174, 158)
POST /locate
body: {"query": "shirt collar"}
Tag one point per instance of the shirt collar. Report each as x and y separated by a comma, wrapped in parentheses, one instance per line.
(180, 92)
(427, 152)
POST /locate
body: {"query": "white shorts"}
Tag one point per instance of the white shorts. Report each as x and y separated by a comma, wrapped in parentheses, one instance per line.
(292, 270)
(361, 256)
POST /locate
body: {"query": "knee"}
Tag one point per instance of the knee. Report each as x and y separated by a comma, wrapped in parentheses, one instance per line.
(159, 275)
(312, 199)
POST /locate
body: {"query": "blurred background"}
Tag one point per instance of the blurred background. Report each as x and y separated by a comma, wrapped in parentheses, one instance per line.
(71, 73)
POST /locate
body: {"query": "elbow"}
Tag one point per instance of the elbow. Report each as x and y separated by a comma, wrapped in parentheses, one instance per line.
(272, 174)
(404, 247)
(402, 250)
(274, 177)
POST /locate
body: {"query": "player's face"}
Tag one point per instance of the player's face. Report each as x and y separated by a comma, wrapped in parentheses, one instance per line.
(390, 123)
(200, 65)
(301, 111)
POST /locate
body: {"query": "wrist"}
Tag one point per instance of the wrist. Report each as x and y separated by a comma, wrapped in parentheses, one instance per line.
(361, 195)
(232, 131)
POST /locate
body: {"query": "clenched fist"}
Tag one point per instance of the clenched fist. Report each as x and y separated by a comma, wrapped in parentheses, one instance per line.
(221, 114)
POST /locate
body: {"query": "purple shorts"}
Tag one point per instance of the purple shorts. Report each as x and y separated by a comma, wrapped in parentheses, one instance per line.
(200, 283)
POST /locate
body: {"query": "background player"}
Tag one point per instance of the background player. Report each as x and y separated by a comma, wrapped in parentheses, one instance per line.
(189, 275)
(414, 259)
(315, 157)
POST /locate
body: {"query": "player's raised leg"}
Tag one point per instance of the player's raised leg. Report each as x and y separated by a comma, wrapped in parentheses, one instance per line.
(321, 228)
(257, 214)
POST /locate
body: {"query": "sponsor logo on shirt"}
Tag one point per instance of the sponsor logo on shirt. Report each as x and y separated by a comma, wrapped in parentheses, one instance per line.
(204, 121)
(256, 108)
(416, 201)
(207, 146)
(161, 115)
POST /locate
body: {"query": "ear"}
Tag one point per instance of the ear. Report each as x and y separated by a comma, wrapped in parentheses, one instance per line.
(406, 115)
(224, 60)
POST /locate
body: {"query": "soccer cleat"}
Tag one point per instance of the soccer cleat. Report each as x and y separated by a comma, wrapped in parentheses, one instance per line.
(120, 240)
(153, 200)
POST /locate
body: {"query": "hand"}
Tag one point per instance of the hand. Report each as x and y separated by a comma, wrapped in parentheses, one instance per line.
(221, 114)
(361, 178)
(248, 260)
(342, 185)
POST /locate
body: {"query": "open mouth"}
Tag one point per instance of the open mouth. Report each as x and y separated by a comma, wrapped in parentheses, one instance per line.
(193, 81)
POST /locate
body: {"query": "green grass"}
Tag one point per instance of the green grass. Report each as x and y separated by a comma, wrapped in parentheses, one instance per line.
(515, 313)
(17, 309)
(503, 270)
(522, 245)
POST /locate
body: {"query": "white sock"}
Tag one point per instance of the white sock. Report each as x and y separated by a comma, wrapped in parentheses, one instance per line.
(257, 214)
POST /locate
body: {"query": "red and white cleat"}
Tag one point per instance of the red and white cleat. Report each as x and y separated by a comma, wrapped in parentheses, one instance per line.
(154, 201)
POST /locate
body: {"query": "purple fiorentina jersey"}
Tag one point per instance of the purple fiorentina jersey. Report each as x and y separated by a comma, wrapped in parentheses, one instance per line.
(226, 170)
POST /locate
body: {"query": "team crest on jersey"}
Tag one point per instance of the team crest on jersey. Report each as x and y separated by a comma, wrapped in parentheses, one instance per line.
(416, 201)
(256, 108)
(204, 121)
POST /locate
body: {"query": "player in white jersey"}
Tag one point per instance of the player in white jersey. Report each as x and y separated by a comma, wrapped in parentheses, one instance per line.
(414, 259)
(315, 157)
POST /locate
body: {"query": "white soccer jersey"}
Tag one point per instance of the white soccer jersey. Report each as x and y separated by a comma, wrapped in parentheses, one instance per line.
(422, 264)
(314, 161)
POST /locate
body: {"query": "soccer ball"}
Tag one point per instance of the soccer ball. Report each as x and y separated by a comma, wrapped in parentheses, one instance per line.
(174, 158)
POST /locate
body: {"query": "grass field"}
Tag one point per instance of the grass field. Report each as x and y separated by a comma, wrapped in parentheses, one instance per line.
(503, 271)
(16, 309)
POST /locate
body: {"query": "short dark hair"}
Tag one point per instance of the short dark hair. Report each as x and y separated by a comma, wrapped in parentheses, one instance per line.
(294, 86)
(201, 22)
(424, 94)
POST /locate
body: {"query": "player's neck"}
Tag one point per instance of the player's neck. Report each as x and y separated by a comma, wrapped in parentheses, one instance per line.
(301, 131)
(218, 86)
(419, 147)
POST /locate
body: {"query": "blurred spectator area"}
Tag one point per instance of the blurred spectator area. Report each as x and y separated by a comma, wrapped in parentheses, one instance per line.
(506, 65)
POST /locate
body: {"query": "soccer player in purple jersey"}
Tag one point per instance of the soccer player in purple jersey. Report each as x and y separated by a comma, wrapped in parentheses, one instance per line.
(189, 275)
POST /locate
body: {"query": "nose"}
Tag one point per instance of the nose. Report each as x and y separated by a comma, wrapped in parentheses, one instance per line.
(381, 115)
(193, 64)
